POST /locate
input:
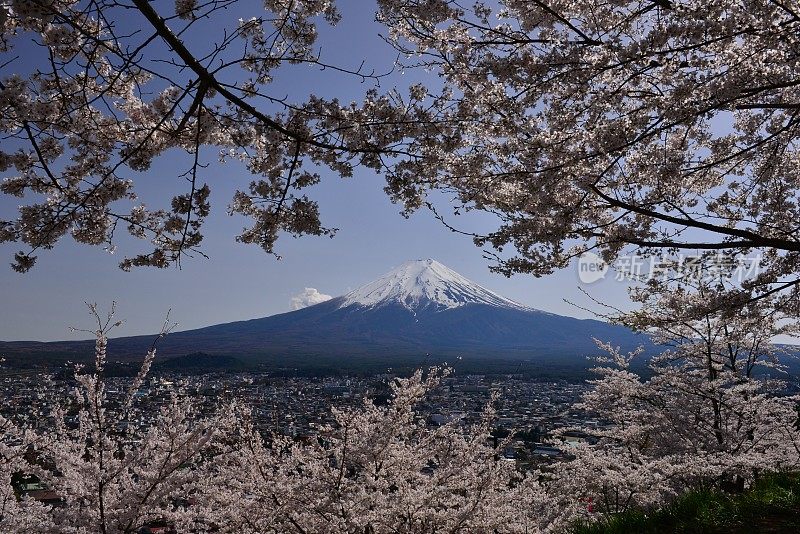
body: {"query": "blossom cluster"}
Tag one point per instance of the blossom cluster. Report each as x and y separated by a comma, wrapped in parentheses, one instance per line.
(102, 105)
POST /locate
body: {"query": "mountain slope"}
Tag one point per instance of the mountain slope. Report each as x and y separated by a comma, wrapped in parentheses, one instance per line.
(424, 285)
(419, 308)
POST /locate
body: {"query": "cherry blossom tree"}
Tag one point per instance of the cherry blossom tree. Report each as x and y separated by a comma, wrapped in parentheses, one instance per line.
(109, 86)
(110, 474)
(712, 409)
(705, 415)
(23, 515)
(666, 125)
(381, 469)
(116, 466)
(652, 123)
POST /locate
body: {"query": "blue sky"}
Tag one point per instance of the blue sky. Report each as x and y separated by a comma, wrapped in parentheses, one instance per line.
(240, 281)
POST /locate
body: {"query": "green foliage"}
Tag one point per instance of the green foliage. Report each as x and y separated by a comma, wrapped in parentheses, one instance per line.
(772, 504)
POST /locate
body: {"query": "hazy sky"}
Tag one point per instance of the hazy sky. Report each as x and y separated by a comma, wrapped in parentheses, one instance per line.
(240, 281)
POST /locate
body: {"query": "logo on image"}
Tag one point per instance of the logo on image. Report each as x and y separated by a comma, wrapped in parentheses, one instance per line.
(591, 268)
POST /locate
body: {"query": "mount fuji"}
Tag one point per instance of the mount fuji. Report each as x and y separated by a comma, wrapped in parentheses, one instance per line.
(419, 308)
(424, 285)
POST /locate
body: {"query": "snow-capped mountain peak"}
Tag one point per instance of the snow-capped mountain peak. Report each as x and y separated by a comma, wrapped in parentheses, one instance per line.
(424, 284)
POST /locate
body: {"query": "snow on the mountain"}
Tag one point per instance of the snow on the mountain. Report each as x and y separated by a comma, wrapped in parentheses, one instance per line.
(424, 284)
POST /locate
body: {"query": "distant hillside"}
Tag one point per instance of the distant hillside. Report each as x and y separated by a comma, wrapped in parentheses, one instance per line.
(202, 362)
